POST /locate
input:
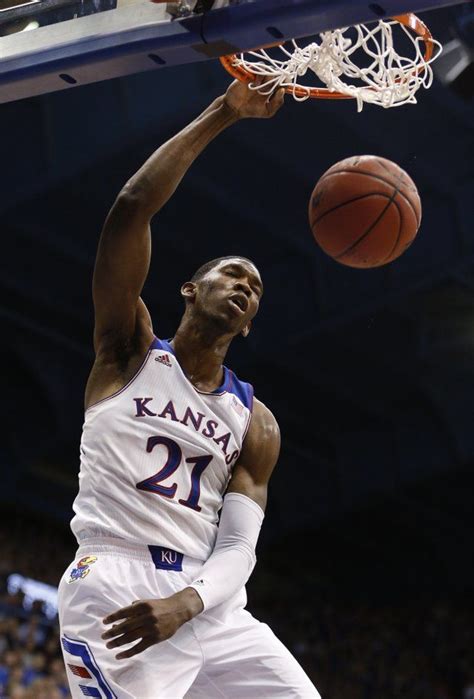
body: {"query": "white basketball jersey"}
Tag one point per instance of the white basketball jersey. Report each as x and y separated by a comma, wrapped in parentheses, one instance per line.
(156, 457)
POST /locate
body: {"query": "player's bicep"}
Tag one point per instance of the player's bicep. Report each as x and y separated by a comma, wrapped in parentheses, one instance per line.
(121, 268)
(258, 457)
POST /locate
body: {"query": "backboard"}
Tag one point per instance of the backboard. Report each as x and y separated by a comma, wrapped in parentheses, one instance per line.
(50, 45)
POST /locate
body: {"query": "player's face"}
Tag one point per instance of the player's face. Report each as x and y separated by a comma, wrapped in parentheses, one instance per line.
(231, 293)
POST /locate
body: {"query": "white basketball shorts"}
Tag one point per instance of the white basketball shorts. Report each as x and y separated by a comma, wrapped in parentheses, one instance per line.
(223, 652)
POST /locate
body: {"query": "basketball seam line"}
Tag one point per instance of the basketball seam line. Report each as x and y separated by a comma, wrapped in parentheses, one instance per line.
(350, 201)
(400, 223)
(407, 245)
(370, 229)
(377, 177)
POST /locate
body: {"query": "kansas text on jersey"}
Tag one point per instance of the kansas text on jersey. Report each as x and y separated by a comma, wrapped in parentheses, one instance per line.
(156, 457)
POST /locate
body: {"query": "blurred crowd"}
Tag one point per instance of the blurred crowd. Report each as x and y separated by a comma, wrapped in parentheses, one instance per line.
(363, 649)
(31, 666)
(351, 649)
(365, 652)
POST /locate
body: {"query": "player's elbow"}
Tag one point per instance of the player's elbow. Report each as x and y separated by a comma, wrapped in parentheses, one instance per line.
(131, 198)
(129, 209)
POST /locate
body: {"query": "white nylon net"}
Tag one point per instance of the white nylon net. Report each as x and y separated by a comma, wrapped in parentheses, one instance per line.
(385, 77)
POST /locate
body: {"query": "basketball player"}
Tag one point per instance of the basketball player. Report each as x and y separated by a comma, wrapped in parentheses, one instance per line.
(171, 436)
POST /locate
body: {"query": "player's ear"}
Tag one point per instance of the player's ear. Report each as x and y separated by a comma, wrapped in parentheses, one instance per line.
(246, 329)
(188, 291)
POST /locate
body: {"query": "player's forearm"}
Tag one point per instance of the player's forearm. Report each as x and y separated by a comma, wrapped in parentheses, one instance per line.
(231, 563)
(159, 177)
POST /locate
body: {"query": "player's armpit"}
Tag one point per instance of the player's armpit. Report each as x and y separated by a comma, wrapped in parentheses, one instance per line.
(258, 457)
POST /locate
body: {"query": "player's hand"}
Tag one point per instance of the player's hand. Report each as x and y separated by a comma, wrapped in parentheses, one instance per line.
(150, 621)
(251, 103)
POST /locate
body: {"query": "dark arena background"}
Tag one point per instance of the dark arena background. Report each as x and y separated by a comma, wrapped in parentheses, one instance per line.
(365, 566)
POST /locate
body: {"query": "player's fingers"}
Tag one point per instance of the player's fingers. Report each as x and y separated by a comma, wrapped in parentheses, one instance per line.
(258, 79)
(135, 609)
(125, 626)
(279, 97)
(138, 648)
(276, 100)
(129, 637)
(277, 94)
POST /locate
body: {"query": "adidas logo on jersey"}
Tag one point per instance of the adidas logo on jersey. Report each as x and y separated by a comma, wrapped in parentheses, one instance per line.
(163, 359)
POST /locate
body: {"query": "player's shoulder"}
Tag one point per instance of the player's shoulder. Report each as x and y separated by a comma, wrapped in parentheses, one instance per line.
(263, 420)
(262, 443)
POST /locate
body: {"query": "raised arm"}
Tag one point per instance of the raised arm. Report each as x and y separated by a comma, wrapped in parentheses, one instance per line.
(123, 256)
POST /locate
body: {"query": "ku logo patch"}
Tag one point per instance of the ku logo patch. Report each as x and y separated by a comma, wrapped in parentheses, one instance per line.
(82, 568)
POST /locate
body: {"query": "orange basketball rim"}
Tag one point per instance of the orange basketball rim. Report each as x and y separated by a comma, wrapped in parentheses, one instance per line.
(242, 70)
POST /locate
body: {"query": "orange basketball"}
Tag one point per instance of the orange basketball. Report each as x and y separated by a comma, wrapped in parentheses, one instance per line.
(365, 211)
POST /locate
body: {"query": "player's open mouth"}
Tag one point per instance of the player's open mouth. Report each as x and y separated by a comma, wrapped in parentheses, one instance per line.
(239, 302)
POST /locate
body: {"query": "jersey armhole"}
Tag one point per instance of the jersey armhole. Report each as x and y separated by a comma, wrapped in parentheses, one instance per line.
(129, 383)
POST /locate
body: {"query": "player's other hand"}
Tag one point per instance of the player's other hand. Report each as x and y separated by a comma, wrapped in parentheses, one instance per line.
(247, 103)
(150, 621)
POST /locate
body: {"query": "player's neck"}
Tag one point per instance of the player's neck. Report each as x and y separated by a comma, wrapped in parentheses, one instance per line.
(201, 352)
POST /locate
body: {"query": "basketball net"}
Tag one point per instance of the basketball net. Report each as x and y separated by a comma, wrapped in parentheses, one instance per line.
(359, 62)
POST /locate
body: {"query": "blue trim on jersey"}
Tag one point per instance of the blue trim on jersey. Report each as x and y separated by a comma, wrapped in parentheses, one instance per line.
(81, 650)
(160, 344)
(89, 691)
(241, 389)
(230, 383)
